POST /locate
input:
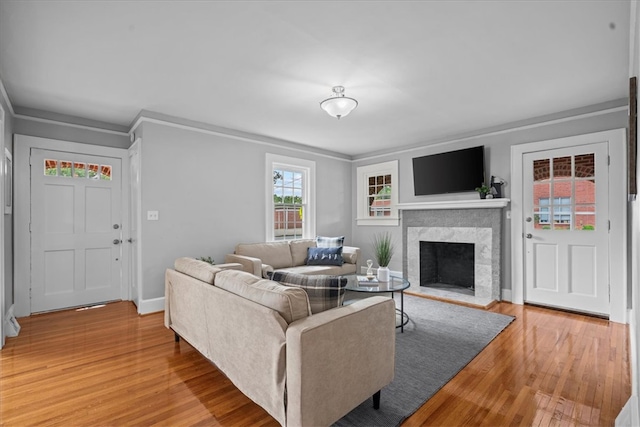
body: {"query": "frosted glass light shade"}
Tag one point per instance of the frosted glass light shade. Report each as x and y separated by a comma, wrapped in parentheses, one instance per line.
(338, 105)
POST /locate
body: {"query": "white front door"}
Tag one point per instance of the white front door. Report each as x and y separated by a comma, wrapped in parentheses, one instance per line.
(76, 229)
(566, 228)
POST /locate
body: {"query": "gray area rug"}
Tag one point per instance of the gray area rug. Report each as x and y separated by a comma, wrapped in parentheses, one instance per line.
(439, 340)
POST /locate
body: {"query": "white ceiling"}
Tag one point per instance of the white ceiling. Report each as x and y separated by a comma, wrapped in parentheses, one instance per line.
(420, 70)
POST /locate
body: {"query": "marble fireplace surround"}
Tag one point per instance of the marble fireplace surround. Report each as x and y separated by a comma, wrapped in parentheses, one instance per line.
(475, 221)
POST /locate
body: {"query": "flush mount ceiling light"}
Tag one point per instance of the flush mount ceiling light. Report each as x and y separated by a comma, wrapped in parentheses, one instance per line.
(338, 105)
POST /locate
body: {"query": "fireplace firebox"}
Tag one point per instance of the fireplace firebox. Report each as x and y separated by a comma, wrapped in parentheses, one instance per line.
(447, 264)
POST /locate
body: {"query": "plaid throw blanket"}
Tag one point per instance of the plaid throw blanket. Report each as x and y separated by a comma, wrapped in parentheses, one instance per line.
(324, 291)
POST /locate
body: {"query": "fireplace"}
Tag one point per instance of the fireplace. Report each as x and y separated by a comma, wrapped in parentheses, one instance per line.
(469, 237)
(448, 265)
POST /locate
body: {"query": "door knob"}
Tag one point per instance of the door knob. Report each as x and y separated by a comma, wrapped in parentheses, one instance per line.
(528, 219)
(529, 235)
(117, 241)
(130, 240)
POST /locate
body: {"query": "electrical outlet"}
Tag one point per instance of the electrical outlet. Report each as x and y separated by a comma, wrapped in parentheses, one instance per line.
(152, 215)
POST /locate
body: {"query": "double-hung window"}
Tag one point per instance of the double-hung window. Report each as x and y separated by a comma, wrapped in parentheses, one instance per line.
(290, 198)
(377, 194)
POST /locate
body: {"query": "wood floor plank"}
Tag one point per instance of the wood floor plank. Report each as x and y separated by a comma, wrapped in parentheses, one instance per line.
(110, 366)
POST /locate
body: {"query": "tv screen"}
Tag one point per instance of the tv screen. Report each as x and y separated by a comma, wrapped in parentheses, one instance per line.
(450, 172)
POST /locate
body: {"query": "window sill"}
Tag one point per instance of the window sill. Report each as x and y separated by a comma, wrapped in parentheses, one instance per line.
(378, 221)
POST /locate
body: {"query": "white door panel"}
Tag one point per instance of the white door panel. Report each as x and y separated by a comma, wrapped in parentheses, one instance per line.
(75, 229)
(566, 227)
(134, 237)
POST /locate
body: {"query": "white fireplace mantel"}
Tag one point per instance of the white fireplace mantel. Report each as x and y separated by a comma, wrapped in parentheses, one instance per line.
(456, 204)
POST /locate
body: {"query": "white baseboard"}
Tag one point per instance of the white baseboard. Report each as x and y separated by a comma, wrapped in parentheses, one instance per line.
(151, 305)
(11, 326)
(506, 295)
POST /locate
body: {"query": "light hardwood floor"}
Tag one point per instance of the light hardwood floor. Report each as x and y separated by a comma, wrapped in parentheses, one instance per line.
(109, 366)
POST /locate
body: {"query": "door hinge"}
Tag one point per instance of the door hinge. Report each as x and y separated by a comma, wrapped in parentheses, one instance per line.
(29, 227)
(608, 160)
(609, 222)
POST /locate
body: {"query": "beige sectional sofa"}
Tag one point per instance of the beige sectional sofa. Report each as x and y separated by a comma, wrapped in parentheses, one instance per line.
(291, 256)
(304, 369)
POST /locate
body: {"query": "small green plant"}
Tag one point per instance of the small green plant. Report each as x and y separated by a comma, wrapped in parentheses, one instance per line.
(483, 189)
(383, 248)
(207, 259)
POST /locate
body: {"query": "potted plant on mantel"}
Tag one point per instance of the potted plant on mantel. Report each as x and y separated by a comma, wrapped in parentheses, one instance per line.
(483, 190)
(383, 249)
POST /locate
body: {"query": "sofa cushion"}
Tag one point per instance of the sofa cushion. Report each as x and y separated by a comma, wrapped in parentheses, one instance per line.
(324, 292)
(198, 269)
(275, 254)
(325, 256)
(299, 250)
(291, 303)
(329, 242)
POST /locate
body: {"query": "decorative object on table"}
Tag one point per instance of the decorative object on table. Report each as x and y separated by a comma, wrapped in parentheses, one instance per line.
(369, 269)
(483, 190)
(496, 186)
(383, 249)
(207, 259)
(368, 280)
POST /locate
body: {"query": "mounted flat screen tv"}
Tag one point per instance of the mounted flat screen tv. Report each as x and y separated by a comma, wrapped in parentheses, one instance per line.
(450, 172)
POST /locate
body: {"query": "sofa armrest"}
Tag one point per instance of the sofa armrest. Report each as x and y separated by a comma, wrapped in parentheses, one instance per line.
(230, 266)
(350, 254)
(249, 264)
(338, 358)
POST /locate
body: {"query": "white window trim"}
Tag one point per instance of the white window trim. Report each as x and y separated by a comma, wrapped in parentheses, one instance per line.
(363, 172)
(308, 167)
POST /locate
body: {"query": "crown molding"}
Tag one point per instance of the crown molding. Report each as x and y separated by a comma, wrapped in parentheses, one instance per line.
(73, 125)
(506, 130)
(6, 98)
(237, 135)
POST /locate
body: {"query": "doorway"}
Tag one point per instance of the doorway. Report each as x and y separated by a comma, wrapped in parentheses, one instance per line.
(71, 224)
(76, 229)
(569, 223)
(566, 225)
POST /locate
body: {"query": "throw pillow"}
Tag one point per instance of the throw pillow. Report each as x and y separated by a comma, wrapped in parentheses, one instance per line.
(324, 256)
(329, 242)
(324, 291)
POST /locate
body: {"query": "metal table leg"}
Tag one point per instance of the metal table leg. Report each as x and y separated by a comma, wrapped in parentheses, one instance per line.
(404, 317)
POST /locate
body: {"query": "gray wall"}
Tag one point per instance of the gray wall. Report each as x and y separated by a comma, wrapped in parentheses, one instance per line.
(210, 194)
(498, 163)
(209, 189)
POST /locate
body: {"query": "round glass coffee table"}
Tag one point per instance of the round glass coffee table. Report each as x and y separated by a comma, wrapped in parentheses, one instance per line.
(359, 283)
